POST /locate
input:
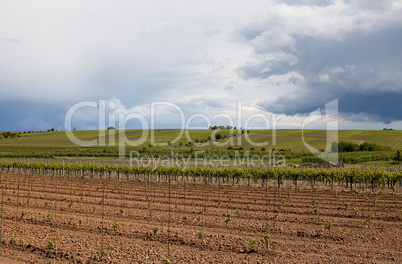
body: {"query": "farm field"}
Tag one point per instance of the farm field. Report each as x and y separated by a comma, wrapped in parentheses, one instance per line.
(278, 139)
(86, 214)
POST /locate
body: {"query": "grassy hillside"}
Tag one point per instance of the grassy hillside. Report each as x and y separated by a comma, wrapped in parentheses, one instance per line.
(279, 139)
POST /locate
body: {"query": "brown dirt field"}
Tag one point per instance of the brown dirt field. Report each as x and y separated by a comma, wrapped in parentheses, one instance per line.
(298, 235)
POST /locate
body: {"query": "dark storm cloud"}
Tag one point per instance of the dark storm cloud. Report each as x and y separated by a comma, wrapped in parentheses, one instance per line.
(17, 115)
(363, 69)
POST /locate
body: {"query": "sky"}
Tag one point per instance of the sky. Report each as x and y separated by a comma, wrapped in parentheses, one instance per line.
(172, 64)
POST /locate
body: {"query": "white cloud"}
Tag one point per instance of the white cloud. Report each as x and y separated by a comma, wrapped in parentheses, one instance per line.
(203, 55)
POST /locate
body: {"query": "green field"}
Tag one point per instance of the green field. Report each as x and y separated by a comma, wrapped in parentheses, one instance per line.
(285, 139)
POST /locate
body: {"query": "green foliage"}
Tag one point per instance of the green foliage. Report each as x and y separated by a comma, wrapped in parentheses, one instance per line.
(328, 225)
(185, 218)
(155, 230)
(51, 246)
(101, 252)
(13, 240)
(49, 217)
(368, 220)
(227, 220)
(313, 202)
(398, 156)
(23, 213)
(345, 146)
(115, 224)
(121, 211)
(9, 135)
(267, 239)
(166, 261)
(200, 235)
(252, 246)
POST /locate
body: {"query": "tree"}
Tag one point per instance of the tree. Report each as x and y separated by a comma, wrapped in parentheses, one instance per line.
(398, 156)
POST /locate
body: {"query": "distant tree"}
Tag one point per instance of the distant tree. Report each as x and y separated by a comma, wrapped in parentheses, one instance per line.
(111, 128)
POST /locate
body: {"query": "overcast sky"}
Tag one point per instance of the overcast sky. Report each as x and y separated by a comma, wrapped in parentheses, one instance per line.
(286, 58)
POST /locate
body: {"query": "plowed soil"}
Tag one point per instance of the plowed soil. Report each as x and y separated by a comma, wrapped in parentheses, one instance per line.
(72, 212)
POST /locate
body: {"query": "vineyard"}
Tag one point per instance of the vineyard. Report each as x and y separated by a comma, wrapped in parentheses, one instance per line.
(86, 212)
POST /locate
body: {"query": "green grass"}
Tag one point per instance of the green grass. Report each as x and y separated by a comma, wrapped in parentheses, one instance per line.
(285, 139)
